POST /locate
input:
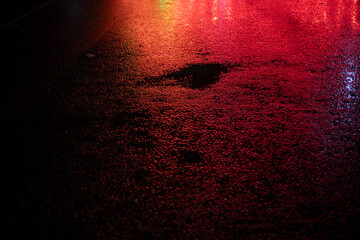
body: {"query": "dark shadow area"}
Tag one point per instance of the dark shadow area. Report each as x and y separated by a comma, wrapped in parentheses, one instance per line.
(14, 9)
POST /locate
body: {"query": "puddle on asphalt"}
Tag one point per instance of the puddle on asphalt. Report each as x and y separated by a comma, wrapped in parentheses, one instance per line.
(197, 76)
(190, 157)
(131, 118)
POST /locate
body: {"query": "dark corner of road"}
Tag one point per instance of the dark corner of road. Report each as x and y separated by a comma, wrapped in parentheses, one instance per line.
(14, 9)
(37, 44)
(25, 109)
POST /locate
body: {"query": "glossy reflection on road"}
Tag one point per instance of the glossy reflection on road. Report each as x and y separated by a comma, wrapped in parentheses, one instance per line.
(237, 118)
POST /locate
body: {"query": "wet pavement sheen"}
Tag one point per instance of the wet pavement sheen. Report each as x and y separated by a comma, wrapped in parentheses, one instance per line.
(201, 119)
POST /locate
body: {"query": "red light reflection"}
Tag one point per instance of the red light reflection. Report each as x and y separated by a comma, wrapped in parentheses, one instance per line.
(262, 150)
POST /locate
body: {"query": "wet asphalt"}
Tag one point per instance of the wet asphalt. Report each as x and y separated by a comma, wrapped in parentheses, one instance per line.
(182, 119)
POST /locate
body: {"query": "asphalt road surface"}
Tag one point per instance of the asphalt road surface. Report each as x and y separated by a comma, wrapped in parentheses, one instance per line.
(182, 119)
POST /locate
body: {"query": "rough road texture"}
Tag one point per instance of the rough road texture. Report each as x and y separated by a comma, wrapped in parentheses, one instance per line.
(203, 120)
